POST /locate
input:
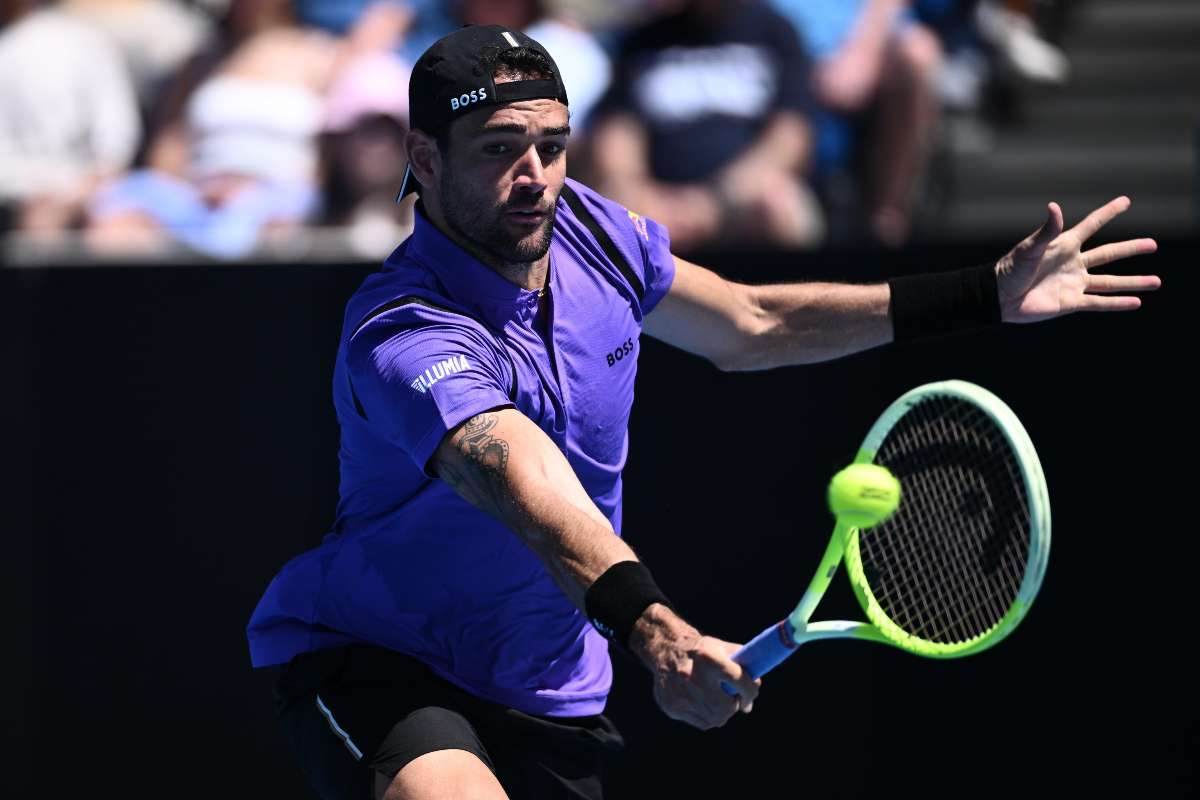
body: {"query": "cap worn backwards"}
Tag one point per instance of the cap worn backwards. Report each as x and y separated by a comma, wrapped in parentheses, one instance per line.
(454, 77)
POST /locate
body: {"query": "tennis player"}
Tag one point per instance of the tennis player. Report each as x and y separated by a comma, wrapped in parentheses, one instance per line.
(450, 637)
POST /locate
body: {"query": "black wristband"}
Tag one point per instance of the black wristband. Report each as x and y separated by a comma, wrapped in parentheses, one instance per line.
(944, 302)
(616, 599)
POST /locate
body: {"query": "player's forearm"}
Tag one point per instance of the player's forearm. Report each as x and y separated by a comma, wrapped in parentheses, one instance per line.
(500, 463)
(805, 323)
(575, 547)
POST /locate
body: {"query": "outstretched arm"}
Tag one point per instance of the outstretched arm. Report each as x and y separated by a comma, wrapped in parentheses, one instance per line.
(503, 464)
(740, 327)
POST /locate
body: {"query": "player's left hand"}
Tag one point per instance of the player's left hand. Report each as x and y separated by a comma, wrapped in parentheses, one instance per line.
(1048, 274)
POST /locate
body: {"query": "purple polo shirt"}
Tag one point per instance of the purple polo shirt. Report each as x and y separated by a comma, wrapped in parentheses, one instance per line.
(433, 339)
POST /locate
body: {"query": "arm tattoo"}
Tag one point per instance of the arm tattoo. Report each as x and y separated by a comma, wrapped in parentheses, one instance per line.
(480, 477)
(480, 447)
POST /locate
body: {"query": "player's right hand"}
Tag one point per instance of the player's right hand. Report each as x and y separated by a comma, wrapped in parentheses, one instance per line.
(689, 669)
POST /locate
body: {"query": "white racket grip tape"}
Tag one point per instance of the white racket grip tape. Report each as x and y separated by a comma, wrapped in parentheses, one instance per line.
(764, 652)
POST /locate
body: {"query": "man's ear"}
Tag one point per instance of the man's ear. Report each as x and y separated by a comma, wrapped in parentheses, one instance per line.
(424, 157)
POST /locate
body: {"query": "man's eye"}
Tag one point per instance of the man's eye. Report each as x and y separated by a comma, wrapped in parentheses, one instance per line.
(553, 148)
(495, 149)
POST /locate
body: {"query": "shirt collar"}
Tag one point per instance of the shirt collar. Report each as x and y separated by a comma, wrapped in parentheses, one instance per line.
(467, 280)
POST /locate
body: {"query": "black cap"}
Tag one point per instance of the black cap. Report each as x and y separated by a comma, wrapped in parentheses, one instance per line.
(454, 77)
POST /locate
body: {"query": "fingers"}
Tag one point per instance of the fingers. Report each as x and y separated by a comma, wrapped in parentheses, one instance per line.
(1094, 302)
(1098, 285)
(701, 699)
(1106, 254)
(717, 665)
(1110, 284)
(697, 694)
(1052, 227)
(702, 722)
(702, 706)
(743, 684)
(1100, 217)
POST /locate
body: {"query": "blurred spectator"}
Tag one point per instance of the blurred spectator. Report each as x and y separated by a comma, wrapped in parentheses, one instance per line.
(238, 161)
(705, 126)
(585, 66)
(875, 76)
(429, 20)
(68, 115)
(363, 156)
(1009, 29)
(259, 40)
(985, 40)
(965, 65)
(155, 37)
(252, 171)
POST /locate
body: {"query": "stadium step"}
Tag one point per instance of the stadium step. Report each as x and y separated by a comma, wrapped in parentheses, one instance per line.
(1126, 122)
(1140, 68)
(1178, 111)
(1122, 23)
(1012, 218)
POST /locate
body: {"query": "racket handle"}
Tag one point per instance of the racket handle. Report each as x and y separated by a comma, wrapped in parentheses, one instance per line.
(764, 652)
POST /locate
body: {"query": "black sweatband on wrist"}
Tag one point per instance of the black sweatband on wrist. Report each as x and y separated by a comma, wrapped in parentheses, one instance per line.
(616, 600)
(944, 302)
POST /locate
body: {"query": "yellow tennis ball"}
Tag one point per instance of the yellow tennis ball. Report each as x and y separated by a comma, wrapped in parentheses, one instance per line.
(863, 495)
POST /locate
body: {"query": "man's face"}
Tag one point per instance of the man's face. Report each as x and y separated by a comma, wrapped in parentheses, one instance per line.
(501, 175)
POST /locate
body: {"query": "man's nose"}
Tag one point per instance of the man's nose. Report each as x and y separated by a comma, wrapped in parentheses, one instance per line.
(529, 175)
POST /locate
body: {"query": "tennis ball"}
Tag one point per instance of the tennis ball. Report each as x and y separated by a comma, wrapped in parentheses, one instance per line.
(863, 495)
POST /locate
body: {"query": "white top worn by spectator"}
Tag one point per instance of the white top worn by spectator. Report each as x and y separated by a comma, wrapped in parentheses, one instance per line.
(254, 128)
(252, 170)
(67, 106)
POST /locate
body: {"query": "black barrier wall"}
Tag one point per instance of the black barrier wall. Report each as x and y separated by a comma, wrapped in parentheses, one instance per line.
(172, 443)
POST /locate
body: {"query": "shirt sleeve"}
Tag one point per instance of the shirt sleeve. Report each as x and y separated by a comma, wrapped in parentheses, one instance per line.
(415, 384)
(660, 264)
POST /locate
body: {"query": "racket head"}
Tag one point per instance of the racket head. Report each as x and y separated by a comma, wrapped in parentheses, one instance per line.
(958, 565)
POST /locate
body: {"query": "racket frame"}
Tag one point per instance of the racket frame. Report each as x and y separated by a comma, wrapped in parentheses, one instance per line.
(780, 640)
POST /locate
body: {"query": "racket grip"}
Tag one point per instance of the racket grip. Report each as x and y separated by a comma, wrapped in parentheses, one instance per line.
(764, 652)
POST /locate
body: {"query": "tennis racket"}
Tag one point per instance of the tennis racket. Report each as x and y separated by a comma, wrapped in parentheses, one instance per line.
(955, 568)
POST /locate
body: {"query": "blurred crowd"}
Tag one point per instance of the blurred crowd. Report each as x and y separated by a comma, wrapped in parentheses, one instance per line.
(222, 127)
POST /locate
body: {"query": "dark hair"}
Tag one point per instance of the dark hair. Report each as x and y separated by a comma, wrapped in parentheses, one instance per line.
(511, 64)
(519, 64)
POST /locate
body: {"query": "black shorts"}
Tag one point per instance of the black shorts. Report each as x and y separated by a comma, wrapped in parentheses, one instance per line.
(348, 712)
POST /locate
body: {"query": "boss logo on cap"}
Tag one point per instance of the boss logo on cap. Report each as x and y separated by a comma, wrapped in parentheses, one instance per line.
(474, 96)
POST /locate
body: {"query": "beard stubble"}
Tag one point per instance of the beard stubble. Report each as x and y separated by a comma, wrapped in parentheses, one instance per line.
(481, 223)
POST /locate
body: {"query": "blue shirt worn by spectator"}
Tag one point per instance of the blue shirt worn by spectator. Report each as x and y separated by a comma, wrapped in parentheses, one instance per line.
(826, 25)
(431, 21)
(432, 340)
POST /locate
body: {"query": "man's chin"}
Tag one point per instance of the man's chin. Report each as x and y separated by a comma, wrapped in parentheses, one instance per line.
(529, 247)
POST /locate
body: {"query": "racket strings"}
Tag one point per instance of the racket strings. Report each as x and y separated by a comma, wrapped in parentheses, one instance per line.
(950, 562)
(921, 604)
(948, 597)
(969, 598)
(960, 595)
(974, 602)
